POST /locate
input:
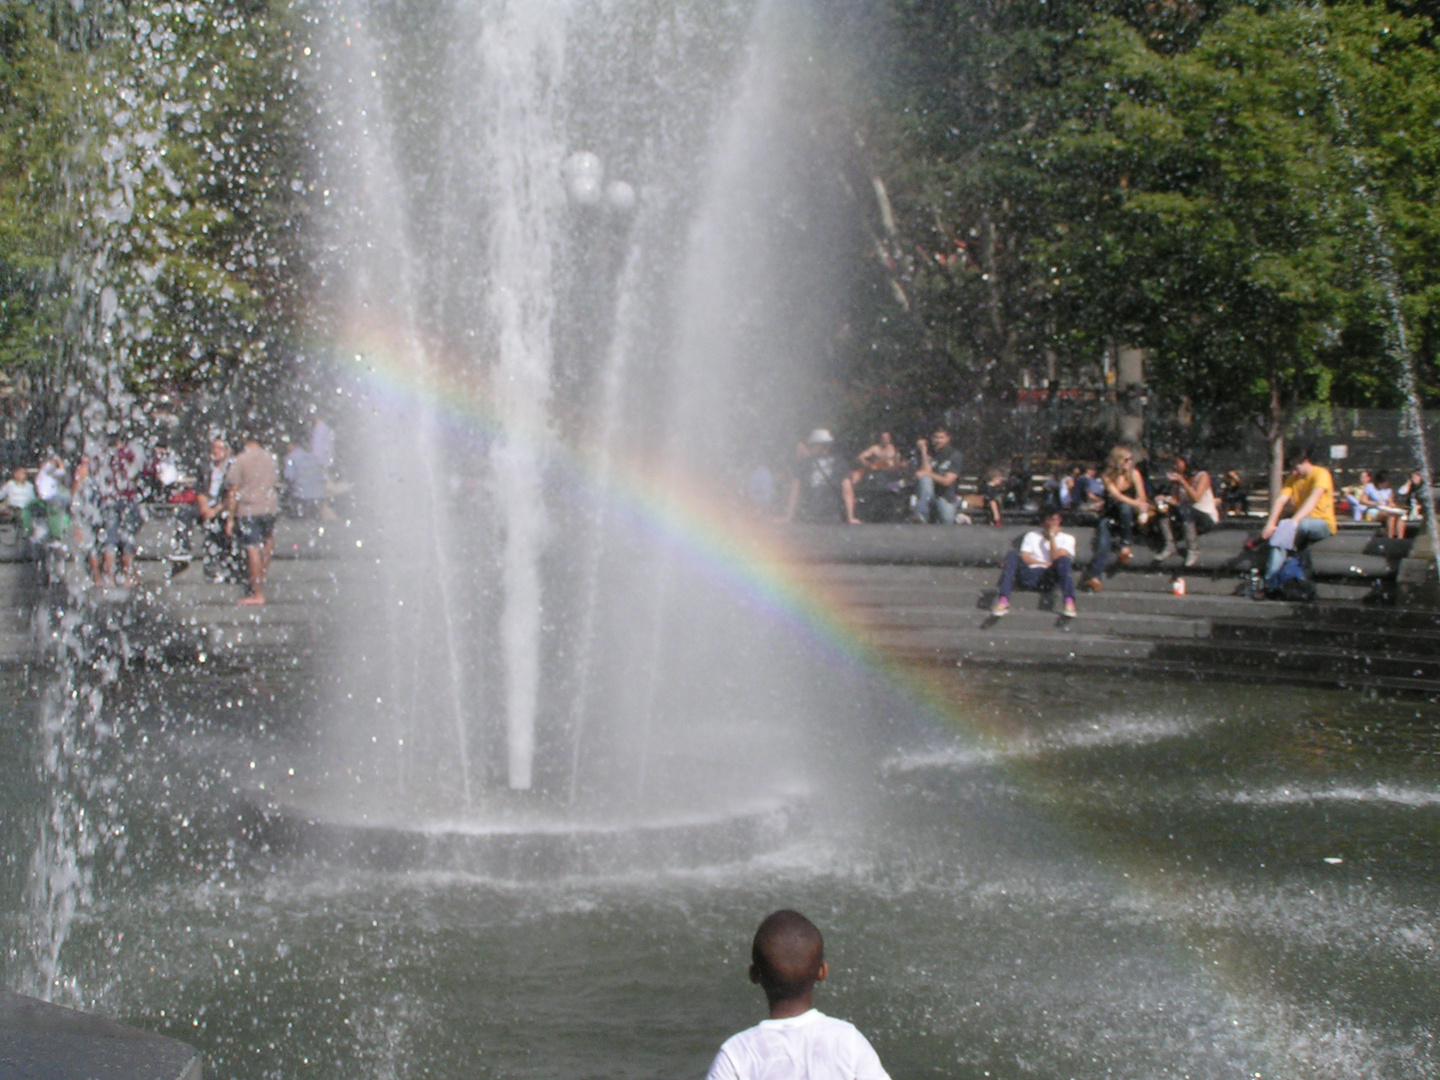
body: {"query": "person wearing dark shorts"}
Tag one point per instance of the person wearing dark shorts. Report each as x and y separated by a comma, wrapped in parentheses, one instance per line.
(251, 493)
(256, 532)
(120, 515)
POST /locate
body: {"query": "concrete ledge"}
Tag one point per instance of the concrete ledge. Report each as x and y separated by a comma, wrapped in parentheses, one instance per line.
(1353, 554)
(39, 1041)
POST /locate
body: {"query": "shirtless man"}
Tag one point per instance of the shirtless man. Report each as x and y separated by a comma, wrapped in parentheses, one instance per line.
(877, 457)
(883, 454)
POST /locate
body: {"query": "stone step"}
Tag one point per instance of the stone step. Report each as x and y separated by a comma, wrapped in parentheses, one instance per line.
(1348, 554)
(17, 646)
(1005, 642)
(1334, 636)
(302, 570)
(266, 638)
(1026, 614)
(1173, 669)
(278, 591)
(1205, 605)
(863, 585)
(1245, 656)
(1141, 573)
(1276, 634)
(1064, 647)
(236, 615)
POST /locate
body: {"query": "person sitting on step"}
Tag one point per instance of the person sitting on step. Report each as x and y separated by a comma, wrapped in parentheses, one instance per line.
(877, 473)
(1381, 507)
(1310, 490)
(816, 484)
(1194, 507)
(1234, 495)
(17, 502)
(1411, 496)
(994, 493)
(1125, 504)
(1043, 562)
(937, 480)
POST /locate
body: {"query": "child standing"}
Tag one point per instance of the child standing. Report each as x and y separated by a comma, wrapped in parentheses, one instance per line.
(798, 1042)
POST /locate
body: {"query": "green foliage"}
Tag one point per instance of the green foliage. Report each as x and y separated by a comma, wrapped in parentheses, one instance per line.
(37, 81)
(154, 175)
(1193, 178)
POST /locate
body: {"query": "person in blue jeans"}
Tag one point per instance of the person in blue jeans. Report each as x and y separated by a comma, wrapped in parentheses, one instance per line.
(1126, 505)
(937, 480)
(1044, 561)
(1310, 489)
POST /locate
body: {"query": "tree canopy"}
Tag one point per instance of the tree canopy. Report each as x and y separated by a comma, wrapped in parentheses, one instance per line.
(1225, 183)
(153, 188)
(1208, 181)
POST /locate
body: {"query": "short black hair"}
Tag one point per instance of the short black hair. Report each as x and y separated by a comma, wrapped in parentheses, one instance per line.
(1302, 453)
(787, 953)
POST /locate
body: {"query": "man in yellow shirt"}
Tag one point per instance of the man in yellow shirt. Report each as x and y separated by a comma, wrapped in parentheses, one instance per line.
(1310, 489)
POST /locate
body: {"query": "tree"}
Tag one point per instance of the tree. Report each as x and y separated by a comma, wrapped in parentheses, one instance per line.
(1217, 207)
(154, 178)
(1199, 179)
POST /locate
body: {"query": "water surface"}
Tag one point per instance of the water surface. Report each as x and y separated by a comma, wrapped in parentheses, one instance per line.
(1069, 878)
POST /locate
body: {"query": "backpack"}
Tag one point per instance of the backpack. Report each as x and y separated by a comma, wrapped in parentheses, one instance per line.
(1291, 583)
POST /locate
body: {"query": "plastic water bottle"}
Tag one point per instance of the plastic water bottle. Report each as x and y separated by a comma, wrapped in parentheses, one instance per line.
(1254, 585)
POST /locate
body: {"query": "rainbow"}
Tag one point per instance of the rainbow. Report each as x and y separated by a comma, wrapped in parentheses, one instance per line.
(756, 563)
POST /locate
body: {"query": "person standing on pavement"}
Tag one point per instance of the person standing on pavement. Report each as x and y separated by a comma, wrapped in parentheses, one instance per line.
(121, 515)
(254, 502)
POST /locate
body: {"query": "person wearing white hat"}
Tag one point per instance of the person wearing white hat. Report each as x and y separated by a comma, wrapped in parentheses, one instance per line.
(815, 486)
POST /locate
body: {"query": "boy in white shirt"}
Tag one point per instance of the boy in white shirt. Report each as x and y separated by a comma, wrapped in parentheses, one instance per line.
(798, 1042)
(1043, 561)
(18, 495)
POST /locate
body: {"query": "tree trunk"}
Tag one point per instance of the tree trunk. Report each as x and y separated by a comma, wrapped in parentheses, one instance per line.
(1275, 433)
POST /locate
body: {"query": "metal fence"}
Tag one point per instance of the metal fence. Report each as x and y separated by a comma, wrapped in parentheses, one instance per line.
(1048, 433)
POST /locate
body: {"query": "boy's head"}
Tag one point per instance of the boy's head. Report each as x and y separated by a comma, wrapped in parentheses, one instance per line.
(787, 957)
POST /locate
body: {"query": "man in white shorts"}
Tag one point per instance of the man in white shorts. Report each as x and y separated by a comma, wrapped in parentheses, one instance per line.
(1043, 561)
(798, 1042)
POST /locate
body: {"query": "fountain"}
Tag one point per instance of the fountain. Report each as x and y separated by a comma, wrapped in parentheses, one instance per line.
(576, 734)
(543, 222)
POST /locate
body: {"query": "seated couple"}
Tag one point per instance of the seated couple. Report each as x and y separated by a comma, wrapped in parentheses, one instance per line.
(1375, 499)
(1043, 562)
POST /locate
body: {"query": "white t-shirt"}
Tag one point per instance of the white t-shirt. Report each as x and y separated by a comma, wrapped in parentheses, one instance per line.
(18, 496)
(1038, 546)
(47, 481)
(811, 1046)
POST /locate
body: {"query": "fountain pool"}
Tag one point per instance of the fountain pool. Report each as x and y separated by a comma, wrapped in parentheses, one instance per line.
(1043, 877)
(571, 743)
